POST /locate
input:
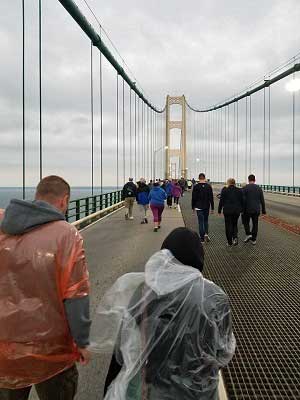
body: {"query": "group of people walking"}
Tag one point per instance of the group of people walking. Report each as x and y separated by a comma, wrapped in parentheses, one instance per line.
(247, 202)
(153, 196)
(169, 328)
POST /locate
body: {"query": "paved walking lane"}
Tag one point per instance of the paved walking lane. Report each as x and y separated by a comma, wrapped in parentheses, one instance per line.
(113, 247)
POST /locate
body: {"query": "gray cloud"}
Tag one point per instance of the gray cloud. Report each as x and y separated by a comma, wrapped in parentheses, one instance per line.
(207, 50)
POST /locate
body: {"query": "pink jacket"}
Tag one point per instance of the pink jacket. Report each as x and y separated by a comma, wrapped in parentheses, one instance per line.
(176, 191)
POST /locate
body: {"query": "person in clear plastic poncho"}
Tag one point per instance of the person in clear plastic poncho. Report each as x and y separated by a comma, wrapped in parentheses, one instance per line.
(169, 328)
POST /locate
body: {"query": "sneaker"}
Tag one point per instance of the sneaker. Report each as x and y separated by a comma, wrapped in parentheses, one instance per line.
(155, 230)
(126, 216)
(253, 242)
(131, 218)
(235, 242)
(248, 238)
(229, 244)
(206, 238)
(143, 222)
(146, 221)
(159, 227)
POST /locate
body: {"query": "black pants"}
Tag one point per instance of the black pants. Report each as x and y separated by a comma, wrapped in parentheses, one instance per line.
(231, 226)
(62, 386)
(176, 200)
(169, 200)
(246, 220)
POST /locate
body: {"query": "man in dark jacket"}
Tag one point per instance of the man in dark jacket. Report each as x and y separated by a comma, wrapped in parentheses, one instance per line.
(254, 203)
(129, 195)
(202, 201)
(231, 202)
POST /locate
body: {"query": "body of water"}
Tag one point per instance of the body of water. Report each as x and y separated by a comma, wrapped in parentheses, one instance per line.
(8, 193)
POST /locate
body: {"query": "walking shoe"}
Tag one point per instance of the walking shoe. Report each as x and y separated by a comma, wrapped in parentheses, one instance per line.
(235, 242)
(206, 238)
(143, 222)
(131, 218)
(248, 238)
(202, 240)
(126, 216)
(146, 221)
(159, 227)
(253, 242)
(229, 244)
(155, 230)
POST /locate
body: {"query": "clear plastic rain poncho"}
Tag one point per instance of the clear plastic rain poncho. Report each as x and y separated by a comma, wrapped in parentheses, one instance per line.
(170, 330)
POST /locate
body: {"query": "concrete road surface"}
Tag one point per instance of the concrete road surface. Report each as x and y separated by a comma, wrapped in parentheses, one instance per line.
(113, 247)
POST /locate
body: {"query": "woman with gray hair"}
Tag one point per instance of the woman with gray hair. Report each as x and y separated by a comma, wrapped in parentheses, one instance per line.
(231, 202)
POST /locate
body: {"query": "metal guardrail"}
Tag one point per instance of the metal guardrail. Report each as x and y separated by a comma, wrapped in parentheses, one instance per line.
(292, 190)
(85, 206)
(282, 189)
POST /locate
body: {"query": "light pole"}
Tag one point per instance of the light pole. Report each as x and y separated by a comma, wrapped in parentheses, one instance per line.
(154, 158)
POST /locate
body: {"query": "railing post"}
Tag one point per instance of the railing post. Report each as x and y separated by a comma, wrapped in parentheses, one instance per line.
(94, 204)
(110, 199)
(87, 206)
(77, 210)
(67, 215)
(106, 200)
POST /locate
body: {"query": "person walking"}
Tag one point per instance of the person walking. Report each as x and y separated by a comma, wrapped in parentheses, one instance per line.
(176, 193)
(170, 329)
(44, 296)
(129, 195)
(167, 186)
(231, 202)
(254, 204)
(142, 198)
(157, 197)
(202, 202)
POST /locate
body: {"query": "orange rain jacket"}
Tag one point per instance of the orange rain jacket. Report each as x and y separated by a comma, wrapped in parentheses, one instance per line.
(38, 270)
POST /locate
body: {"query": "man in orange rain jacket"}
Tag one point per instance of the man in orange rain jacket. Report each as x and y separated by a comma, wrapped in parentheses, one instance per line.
(44, 296)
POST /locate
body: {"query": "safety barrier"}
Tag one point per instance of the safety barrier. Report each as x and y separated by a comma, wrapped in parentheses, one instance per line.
(84, 207)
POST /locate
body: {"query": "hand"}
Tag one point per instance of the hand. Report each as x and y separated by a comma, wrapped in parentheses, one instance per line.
(85, 355)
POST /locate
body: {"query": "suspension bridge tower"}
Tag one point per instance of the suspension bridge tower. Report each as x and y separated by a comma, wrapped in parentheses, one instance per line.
(178, 152)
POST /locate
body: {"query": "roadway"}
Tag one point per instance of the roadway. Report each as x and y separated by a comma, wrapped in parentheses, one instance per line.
(114, 247)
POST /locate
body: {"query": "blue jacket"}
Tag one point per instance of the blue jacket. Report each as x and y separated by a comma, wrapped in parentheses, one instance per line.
(157, 196)
(142, 194)
(168, 189)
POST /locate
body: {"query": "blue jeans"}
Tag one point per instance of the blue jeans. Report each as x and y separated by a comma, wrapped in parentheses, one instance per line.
(203, 222)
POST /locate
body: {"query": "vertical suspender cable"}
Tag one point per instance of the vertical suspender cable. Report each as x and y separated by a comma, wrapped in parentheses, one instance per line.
(135, 154)
(269, 135)
(228, 141)
(264, 147)
(237, 141)
(123, 126)
(23, 99)
(294, 98)
(40, 87)
(117, 128)
(92, 119)
(250, 134)
(101, 119)
(130, 133)
(246, 147)
(233, 141)
(225, 144)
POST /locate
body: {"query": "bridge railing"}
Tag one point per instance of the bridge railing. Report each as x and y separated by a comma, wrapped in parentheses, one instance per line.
(281, 189)
(86, 206)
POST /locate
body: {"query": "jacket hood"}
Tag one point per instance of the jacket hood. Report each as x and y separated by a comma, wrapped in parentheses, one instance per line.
(22, 216)
(165, 274)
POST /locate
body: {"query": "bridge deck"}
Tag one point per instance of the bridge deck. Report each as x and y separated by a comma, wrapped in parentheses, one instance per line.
(114, 247)
(263, 284)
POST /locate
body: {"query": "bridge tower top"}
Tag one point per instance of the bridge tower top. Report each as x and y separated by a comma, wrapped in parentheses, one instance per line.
(178, 154)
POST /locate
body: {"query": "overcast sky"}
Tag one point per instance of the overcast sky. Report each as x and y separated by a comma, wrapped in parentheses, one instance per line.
(206, 49)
